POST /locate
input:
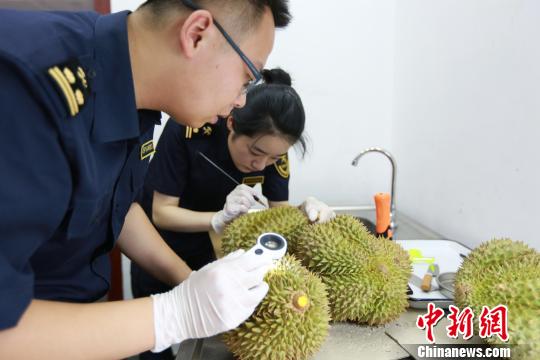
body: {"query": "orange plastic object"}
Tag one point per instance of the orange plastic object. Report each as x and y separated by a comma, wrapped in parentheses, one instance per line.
(382, 210)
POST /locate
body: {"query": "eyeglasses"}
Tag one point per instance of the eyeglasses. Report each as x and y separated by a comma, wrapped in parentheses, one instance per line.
(257, 76)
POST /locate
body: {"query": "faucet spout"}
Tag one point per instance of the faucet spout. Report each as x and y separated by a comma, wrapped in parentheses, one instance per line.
(393, 224)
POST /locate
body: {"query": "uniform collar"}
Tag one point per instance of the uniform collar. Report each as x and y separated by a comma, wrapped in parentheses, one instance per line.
(116, 116)
(224, 154)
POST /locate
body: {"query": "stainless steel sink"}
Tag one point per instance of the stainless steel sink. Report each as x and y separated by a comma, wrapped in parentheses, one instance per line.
(408, 228)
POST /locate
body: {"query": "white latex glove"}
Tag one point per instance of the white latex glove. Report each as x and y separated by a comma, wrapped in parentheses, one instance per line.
(316, 210)
(237, 203)
(217, 298)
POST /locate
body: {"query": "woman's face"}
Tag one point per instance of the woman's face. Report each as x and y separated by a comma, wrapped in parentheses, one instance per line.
(251, 154)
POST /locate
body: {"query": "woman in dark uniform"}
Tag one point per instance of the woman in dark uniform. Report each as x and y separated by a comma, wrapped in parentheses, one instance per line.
(186, 196)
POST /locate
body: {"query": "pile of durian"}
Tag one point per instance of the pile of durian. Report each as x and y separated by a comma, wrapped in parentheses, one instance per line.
(347, 275)
(507, 272)
(339, 271)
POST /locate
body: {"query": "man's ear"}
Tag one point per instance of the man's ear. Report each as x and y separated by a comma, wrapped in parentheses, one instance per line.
(194, 30)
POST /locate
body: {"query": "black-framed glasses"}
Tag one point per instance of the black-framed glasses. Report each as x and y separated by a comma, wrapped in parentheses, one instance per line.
(257, 76)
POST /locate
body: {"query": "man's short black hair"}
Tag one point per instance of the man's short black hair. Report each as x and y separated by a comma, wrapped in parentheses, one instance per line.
(279, 8)
(246, 13)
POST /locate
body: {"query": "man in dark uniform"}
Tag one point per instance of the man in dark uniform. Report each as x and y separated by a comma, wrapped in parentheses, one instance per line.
(79, 96)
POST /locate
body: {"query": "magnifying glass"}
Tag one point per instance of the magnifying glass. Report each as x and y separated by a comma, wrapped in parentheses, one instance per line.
(269, 244)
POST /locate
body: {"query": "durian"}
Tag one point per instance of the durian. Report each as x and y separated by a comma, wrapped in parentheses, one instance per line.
(291, 322)
(506, 272)
(366, 276)
(242, 233)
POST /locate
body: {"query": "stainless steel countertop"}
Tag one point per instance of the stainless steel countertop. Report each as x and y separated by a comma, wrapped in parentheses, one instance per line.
(345, 340)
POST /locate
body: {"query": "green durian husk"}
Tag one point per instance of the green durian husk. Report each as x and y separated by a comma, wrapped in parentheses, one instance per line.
(523, 329)
(324, 248)
(278, 330)
(366, 276)
(505, 272)
(488, 255)
(243, 232)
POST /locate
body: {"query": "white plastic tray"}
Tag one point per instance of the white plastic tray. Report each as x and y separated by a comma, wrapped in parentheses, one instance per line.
(448, 255)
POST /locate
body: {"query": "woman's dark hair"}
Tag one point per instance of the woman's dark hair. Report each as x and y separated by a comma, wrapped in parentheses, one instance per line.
(273, 108)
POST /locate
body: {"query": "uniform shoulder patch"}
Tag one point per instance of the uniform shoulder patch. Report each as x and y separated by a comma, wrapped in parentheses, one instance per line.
(147, 149)
(282, 166)
(71, 83)
(204, 131)
(253, 180)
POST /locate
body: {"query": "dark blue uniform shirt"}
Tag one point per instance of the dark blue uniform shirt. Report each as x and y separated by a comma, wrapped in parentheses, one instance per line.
(75, 154)
(178, 170)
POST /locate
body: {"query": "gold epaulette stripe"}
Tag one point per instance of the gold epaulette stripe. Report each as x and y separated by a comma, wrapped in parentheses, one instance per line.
(189, 132)
(253, 180)
(58, 76)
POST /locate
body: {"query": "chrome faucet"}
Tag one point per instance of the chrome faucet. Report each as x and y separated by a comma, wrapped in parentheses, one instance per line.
(393, 224)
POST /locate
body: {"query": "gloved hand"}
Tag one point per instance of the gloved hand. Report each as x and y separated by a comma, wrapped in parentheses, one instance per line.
(316, 210)
(217, 298)
(238, 202)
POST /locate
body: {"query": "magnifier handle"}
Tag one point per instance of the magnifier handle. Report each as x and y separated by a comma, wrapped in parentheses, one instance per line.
(259, 251)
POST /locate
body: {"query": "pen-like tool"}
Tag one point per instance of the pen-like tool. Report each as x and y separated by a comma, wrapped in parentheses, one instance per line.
(229, 176)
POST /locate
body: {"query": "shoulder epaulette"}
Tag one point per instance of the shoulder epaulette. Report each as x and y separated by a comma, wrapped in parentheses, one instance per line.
(71, 82)
(282, 166)
(253, 180)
